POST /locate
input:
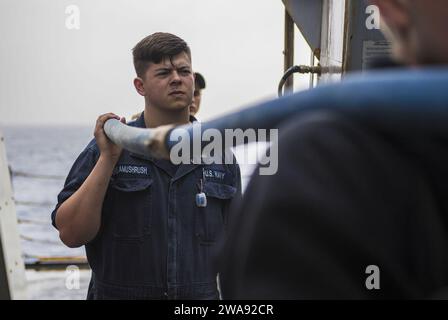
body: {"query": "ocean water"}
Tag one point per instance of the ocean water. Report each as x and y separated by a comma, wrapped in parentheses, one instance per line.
(40, 159)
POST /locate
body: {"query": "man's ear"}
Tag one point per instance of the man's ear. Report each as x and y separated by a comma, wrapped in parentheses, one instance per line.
(395, 13)
(138, 84)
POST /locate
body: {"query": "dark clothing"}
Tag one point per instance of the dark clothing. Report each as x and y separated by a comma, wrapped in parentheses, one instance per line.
(154, 241)
(354, 188)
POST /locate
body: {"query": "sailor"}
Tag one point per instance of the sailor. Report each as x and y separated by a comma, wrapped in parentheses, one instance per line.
(150, 228)
(199, 85)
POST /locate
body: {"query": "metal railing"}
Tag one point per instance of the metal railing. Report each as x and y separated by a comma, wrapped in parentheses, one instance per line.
(46, 262)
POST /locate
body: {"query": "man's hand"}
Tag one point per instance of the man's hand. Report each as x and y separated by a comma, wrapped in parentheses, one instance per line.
(78, 219)
(108, 149)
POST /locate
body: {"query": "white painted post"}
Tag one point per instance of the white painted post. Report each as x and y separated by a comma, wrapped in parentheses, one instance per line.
(12, 268)
(332, 40)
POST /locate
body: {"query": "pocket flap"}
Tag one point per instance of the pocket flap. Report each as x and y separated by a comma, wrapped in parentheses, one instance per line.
(129, 185)
(219, 190)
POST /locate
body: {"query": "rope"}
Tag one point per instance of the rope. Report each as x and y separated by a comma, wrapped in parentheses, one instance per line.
(35, 203)
(40, 222)
(55, 262)
(39, 240)
(36, 176)
(55, 258)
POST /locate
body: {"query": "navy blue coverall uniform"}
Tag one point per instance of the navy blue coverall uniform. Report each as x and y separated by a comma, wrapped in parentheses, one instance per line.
(155, 242)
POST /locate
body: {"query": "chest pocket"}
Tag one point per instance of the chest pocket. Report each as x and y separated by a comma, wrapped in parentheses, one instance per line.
(130, 209)
(212, 219)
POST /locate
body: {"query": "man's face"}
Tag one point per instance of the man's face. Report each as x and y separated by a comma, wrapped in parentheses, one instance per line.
(417, 28)
(169, 85)
(429, 19)
(194, 107)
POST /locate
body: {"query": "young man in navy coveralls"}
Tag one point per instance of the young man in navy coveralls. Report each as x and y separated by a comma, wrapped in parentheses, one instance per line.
(144, 233)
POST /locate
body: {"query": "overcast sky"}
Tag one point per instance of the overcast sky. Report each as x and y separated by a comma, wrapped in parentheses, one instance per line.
(52, 75)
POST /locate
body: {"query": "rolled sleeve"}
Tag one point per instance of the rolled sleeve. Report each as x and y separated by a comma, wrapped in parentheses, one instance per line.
(78, 174)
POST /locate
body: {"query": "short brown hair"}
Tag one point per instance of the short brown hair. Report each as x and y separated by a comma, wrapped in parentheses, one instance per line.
(199, 81)
(156, 47)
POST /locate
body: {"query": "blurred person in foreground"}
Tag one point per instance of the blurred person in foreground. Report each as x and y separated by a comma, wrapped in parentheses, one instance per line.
(359, 206)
